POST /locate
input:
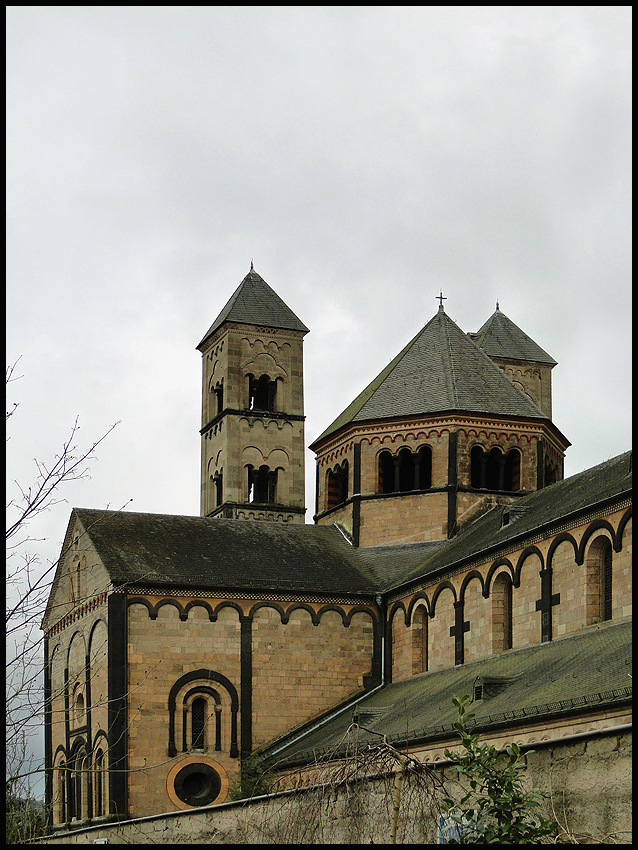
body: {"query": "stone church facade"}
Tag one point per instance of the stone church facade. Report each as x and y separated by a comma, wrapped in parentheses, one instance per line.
(447, 552)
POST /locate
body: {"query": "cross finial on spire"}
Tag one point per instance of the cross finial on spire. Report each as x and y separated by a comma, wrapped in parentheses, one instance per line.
(441, 298)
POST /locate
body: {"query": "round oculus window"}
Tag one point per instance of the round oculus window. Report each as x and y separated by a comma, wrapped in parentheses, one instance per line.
(197, 784)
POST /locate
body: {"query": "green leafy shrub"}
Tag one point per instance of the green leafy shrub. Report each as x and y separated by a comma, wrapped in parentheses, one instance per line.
(496, 809)
(25, 820)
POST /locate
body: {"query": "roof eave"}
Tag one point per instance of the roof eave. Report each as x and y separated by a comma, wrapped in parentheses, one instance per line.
(364, 423)
(488, 551)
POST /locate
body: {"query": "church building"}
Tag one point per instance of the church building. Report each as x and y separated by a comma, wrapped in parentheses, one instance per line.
(447, 554)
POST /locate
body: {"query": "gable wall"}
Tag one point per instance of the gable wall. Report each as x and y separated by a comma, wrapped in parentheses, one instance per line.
(77, 671)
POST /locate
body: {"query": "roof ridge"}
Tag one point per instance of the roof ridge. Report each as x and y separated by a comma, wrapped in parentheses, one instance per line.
(451, 371)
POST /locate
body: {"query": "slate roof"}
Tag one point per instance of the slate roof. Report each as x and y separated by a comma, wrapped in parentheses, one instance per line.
(256, 303)
(162, 550)
(571, 674)
(200, 552)
(528, 514)
(440, 370)
(500, 337)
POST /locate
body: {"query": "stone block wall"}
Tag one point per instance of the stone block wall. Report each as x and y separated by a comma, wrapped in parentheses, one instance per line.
(303, 662)
(313, 666)
(234, 440)
(572, 556)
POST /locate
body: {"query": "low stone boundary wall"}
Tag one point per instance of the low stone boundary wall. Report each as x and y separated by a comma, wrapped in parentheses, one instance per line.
(588, 780)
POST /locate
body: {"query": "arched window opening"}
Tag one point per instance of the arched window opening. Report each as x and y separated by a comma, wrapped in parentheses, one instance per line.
(598, 581)
(606, 601)
(406, 471)
(79, 709)
(198, 707)
(512, 480)
(60, 800)
(337, 485)
(501, 613)
(495, 468)
(218, 481)
(262, 485)
(386, 473)
(219, 398)
(424, 468)
(551, 473)
(99, 785)
(419, 640)
(261, 393)
(75, 794)
(75, 580)
(343, 482)
(85, 781)
(478, 460)
(199, 711)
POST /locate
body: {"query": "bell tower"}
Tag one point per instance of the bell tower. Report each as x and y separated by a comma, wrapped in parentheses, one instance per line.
(252, 432)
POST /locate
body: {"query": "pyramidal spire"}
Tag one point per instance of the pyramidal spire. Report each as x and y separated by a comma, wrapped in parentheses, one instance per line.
(500, 337)
(254, 302)
(440, 370)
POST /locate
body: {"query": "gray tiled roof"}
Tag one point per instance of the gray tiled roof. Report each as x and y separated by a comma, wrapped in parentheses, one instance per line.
(500, 337)
(231, 555)
(440, 370)
(201, 552)
(256, 303)
(572, 674)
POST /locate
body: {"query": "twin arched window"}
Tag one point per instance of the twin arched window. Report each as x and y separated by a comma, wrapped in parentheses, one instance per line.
(406, 471)
(495, 470)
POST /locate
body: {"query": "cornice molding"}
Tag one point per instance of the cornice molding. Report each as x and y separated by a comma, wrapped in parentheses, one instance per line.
(452, 421)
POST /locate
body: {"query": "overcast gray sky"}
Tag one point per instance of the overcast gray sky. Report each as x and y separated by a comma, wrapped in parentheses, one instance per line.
(363, 157)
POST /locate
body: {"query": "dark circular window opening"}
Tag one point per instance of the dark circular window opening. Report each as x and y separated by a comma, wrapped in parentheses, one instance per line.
(197, 784)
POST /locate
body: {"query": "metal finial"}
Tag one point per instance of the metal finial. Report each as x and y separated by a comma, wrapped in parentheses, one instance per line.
(441, 298)
(251, 266)
(497, 305)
